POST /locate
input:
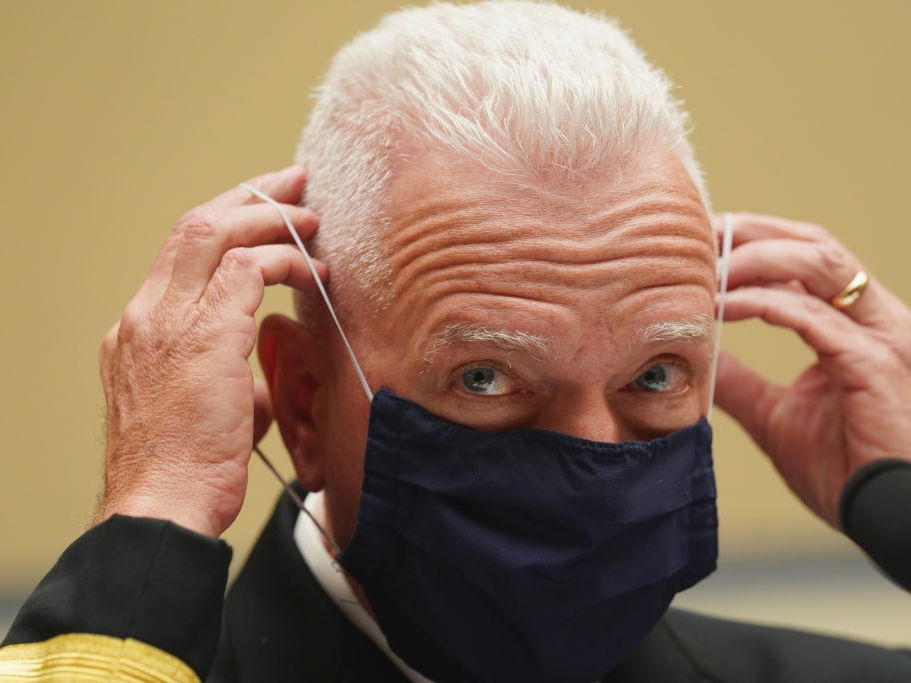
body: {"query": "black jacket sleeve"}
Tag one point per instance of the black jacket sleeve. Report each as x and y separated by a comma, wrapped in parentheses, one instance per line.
(876, 514)
(131, 578)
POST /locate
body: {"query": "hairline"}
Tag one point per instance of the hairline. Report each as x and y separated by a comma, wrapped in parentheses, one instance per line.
(351, 197)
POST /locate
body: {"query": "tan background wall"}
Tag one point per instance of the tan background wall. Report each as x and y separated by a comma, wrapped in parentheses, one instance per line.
(119, 116)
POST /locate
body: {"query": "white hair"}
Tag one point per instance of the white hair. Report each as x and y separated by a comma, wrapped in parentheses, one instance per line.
(520, 87)
(535, 346)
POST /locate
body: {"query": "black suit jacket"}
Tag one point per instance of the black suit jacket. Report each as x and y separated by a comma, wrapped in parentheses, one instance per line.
(280, 625)
(163, 585)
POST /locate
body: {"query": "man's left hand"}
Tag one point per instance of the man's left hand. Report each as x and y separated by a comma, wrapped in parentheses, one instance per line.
(853, 405)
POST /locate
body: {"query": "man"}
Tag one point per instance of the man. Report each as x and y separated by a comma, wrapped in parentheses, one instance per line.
(523, 261)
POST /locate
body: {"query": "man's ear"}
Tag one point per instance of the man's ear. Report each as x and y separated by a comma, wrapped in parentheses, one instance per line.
(285, 350)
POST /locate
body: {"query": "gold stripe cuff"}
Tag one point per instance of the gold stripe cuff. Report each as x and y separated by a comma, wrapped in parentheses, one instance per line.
(91, 657)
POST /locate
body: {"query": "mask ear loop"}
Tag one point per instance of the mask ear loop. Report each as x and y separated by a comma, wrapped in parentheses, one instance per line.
(298, 501)
(319, 283)
(357, 366)
(724, 264)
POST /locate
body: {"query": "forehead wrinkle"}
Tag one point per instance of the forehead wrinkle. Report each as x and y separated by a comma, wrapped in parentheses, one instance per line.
(665, 331)
(475, 333)
(430, 220)
(547, 283)
(421, 248)
(485, 226)
(554, 260)
(418, 246)
(554, 249)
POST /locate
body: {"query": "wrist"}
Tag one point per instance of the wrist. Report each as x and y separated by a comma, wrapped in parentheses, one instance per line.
(191, 516)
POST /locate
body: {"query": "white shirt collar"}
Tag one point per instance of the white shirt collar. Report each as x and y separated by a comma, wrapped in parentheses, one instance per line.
(332, 579)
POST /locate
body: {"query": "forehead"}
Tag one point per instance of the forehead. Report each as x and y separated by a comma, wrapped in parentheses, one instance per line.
(621, 251)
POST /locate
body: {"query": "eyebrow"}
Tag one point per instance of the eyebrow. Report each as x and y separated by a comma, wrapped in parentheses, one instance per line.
(476, 333)
(699, 327)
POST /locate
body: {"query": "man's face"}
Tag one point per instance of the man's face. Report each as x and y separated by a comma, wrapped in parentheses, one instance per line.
(582, 306)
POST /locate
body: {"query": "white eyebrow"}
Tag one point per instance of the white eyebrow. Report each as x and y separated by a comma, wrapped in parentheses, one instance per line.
(476, 333)
(700, 327)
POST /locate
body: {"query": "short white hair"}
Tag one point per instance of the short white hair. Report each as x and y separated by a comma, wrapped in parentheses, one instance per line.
(520, 87)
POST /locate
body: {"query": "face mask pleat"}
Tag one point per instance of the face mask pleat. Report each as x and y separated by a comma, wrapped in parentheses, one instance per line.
(549, 556)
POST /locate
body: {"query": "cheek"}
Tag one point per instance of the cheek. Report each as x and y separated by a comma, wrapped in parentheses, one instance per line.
(344, 458)
(344, 413)
(342, 503)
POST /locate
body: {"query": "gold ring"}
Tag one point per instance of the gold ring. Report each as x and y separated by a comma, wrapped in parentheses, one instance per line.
(852, 291)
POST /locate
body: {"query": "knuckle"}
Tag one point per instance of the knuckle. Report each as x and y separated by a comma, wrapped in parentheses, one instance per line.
(247, 326)
(831, 257)
(302, 214)
(196, 225)
(237, 258)
(814, 307)
(130, 321)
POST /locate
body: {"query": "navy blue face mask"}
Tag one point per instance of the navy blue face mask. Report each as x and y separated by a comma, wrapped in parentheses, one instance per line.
(525, 555)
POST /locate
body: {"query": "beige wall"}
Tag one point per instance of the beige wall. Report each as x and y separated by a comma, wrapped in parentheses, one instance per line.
(118, 116)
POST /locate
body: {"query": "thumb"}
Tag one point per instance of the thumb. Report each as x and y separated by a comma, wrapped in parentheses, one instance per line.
(262, 410)
(745, 395)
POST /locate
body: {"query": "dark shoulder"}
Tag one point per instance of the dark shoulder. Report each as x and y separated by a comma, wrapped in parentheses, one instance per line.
(729, 651)
(279, 624)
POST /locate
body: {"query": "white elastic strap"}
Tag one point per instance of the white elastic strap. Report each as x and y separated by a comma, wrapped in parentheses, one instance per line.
(298, 501)
(727, 239)
(319, 284)
(357, 366)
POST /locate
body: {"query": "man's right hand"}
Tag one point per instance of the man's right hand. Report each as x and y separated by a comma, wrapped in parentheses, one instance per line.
(183, 409)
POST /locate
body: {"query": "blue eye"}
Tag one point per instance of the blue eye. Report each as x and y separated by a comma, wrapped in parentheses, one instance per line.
(478, 380)
(484, 380)
(660, 378)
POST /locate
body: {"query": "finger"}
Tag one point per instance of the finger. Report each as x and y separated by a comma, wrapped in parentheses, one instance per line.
(745, 395)
(818, 324)
(244, 272)
(771, 249)
(823, 269)
(285, 186)
(262, 410)
(748, 227)
(205, 240)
